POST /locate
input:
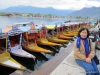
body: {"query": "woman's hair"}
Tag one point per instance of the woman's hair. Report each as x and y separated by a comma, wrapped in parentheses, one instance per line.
(82, 29)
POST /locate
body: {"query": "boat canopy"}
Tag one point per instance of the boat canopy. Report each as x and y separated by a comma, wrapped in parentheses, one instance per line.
(22, 23)
(25, 29)
(38, 27)
(62, 21)
(51, 26)
(66, 24)
(14, 31)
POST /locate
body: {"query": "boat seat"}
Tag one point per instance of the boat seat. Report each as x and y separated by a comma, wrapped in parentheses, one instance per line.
(15, 47)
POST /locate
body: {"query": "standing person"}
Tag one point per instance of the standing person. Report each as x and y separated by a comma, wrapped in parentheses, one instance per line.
(83, 54)
(99, 24)
(99, 32)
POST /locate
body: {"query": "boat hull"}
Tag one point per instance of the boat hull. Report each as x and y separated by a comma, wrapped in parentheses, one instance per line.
(21, 53)
(34, 48)
(64, 37)
(69, 34)
(55, 39)
(43, 41)
(8, 61)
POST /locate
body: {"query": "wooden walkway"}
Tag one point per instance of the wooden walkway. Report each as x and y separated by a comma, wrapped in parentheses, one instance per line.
(52, 64)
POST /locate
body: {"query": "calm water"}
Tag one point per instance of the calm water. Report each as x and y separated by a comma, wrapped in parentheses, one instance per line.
(4, 21)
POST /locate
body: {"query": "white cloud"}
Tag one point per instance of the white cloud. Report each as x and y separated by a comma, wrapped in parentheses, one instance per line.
(57, 4)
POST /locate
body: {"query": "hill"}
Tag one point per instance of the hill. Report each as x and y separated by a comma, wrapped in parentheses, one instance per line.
(31, 9)
(93, 12)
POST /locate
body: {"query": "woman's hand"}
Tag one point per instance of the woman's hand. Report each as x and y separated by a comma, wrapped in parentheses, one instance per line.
(88, 60)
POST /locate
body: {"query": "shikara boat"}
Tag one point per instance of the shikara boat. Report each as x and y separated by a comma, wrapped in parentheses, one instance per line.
(70, 34)
(42, 38)
(43, 41)
(14, 43)
(60, 33)
(30, 37)
(52, 37)
(60, 36)
(55, 39)
(5, 58)
(72, 31)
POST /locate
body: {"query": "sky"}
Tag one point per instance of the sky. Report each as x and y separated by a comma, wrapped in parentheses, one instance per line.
(56, 4)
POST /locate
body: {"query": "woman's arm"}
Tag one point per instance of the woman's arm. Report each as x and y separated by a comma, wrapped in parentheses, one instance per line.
(92, 50)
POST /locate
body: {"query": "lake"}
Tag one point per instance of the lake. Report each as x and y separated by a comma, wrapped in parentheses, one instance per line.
(4, 21)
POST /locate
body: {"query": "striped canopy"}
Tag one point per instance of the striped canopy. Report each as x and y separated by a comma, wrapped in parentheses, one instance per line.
(14, 31)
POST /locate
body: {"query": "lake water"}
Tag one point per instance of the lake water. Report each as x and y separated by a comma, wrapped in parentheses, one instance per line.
(4, 21)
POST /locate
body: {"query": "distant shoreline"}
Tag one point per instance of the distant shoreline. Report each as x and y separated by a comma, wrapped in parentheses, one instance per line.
(9, 14)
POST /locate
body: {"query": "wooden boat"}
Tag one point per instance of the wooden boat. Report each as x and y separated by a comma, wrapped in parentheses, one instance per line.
(70, 34)
(32, 45)
(43, 40)
(73, 29)
(60, 33)
(5, 58)
(52, 37)
(64, 37)
(50, 26)
(14, 43)
(23, 25)
(34, 48)
(55, 39)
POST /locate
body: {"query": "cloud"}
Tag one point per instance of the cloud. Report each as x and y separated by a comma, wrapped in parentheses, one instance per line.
(57, 4)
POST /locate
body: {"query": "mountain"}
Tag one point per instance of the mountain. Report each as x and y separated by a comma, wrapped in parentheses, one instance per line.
(93, 12)
(31, 9)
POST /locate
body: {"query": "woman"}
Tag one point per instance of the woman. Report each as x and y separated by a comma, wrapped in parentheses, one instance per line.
(84, 54)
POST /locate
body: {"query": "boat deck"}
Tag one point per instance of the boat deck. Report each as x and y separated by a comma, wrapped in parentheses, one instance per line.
(62, 64)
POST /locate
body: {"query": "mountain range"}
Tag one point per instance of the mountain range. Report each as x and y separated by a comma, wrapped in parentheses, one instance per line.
(31, 9)
(93, 12)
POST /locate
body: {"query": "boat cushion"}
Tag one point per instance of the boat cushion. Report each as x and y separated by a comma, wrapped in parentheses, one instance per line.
(15, 47)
